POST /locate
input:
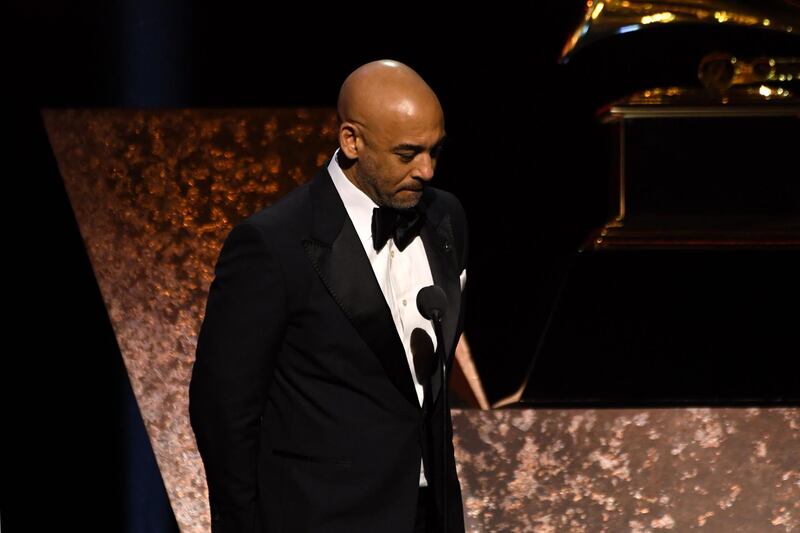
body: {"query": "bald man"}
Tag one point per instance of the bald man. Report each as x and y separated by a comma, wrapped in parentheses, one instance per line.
(315, 396)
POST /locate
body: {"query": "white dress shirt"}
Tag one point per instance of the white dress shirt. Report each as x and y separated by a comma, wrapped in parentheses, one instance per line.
(400, 274)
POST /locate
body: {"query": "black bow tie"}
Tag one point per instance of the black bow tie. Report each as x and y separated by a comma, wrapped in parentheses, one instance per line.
(401, 224)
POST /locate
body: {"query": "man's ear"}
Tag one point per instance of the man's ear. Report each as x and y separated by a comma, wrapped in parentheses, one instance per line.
(349, 140)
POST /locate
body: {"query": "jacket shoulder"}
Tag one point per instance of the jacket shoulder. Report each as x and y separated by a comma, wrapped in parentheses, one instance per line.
(448, 203)
(446, 208)
(284, 217)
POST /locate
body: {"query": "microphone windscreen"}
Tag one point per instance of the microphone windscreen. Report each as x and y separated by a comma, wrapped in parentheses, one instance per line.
(432, 302)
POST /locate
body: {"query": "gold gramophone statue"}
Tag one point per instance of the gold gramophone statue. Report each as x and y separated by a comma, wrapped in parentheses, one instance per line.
(612, 17)
(688, 281)
(714, 165)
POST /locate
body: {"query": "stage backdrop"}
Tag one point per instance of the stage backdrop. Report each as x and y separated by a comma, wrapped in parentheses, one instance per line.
(155, 193)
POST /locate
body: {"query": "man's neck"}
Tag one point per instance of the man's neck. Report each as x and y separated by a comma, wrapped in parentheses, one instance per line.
(349, 169)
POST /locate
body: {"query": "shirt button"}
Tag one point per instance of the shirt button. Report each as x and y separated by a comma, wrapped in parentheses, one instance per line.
(404, 302)
(391, 253)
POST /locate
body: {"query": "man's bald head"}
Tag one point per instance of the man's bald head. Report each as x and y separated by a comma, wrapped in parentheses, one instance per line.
(390, 133)
(385, 90)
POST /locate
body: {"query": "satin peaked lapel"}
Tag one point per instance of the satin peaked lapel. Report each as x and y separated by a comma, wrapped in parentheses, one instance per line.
(339, 259)
(437, 236)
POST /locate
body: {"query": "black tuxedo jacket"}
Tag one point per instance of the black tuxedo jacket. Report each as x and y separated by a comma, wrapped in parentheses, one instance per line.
(301, 397)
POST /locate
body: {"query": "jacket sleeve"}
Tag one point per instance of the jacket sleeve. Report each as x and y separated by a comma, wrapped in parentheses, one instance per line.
(238, 343)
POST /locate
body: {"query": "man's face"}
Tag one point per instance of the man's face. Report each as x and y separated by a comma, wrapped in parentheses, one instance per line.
(398, 159)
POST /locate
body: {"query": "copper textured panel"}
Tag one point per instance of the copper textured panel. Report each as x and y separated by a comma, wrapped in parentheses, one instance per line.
(548, 471)
(154, 194)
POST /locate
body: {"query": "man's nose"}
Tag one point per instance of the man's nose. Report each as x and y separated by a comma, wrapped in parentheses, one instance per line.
(425, 167)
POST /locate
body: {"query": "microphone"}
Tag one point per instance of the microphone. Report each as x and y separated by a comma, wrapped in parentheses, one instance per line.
(432, 304)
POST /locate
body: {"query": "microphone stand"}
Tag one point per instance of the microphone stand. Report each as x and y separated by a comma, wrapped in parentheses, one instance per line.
(437, 327)
(432, 304)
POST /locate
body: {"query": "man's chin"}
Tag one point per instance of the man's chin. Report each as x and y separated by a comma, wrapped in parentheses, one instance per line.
(406, 199)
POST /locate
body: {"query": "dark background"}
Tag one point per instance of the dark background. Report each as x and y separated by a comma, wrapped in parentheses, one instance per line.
(525, 154)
